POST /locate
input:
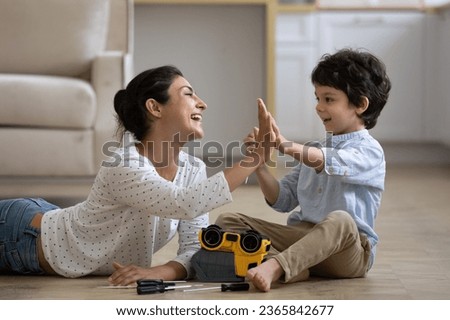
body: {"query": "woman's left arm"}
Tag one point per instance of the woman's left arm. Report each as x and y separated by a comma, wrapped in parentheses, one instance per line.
(177, 269)
(188, 241)
(129, 274)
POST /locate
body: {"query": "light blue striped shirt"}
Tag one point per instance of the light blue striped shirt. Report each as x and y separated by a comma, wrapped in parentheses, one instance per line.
(352, 180)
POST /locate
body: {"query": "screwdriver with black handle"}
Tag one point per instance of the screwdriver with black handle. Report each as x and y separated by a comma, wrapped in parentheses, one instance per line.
(150, 286)
(239, 286)
(155, 282)
(159, 288)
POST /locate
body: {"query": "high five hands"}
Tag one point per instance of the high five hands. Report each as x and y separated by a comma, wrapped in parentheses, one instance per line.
(261, 142)
(259, 145)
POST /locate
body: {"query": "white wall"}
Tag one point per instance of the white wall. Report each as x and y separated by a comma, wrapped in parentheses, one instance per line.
(430, 3)
(220, 50)
(440, 88)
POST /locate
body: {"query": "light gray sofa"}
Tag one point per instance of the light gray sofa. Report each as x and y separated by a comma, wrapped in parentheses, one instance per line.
(61, 62)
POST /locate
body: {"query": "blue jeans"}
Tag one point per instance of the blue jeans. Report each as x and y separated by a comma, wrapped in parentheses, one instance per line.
(18, 240)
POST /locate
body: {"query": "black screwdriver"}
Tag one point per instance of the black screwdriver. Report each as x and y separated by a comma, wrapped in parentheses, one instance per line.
(239, 286)
(155, 282)
(159, 288)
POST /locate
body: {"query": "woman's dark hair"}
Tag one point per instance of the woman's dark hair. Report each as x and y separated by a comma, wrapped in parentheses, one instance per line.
(359, 74)
(129, 103)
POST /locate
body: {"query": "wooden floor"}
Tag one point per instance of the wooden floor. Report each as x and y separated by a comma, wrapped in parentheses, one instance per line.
(413, 260)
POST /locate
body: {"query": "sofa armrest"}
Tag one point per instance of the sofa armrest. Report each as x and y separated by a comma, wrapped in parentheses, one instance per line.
(111, 71)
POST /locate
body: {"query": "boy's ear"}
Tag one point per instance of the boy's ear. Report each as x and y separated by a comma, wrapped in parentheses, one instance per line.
(153, 108)
(364, 104)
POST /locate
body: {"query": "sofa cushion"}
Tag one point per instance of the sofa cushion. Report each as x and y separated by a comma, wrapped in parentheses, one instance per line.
(56, 37)
(46, 152)
(44, 101)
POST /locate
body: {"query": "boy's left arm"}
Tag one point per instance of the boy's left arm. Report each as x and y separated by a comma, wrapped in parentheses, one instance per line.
(310, 156)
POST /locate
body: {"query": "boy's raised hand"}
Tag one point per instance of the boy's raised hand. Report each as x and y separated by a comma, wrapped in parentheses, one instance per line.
(265, 136)
(259, 146)
(281, 142)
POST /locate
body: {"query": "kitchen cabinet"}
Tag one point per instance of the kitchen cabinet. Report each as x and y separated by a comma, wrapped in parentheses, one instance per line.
(371, 3)
(438, 76)
(296, 55)
(397, 38)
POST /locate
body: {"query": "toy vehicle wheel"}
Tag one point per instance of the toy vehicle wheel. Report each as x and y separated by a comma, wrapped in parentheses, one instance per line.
(212, 236)
(250, 241)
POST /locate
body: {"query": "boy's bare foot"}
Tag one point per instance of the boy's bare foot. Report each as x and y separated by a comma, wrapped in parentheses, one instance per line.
(263, 275)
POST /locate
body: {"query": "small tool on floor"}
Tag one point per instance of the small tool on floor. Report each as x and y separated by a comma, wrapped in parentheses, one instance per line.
(241, 286)
(142, 283)
(157, 289)
(117, 287)
(154, 282)
(150, 286)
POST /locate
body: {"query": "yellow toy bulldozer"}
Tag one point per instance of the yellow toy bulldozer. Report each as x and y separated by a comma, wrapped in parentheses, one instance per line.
(248, 248)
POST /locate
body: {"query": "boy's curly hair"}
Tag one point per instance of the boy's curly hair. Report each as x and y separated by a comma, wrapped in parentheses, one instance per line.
(358, 74)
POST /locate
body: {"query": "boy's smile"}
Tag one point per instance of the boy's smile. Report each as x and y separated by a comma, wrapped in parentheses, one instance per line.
(338, 115)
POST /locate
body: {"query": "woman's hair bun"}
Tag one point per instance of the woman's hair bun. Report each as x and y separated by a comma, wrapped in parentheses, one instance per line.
(120, 102)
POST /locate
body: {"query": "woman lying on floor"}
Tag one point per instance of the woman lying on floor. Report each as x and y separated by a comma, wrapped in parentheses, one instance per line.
(147, 192)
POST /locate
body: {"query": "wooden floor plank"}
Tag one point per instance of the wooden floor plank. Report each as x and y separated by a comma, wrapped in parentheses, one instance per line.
(413, 260)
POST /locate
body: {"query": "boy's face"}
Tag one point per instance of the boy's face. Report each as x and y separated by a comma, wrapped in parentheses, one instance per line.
(338, 115)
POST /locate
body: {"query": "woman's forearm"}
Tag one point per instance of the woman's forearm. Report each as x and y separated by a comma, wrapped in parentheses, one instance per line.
(268, 183)
(238, 173)
(171, 270)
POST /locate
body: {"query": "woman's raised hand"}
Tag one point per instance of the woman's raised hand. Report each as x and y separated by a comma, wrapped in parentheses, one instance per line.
(259, 146)
(265, 137)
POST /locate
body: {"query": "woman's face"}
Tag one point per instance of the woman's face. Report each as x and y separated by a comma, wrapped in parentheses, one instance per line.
(182, 114)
